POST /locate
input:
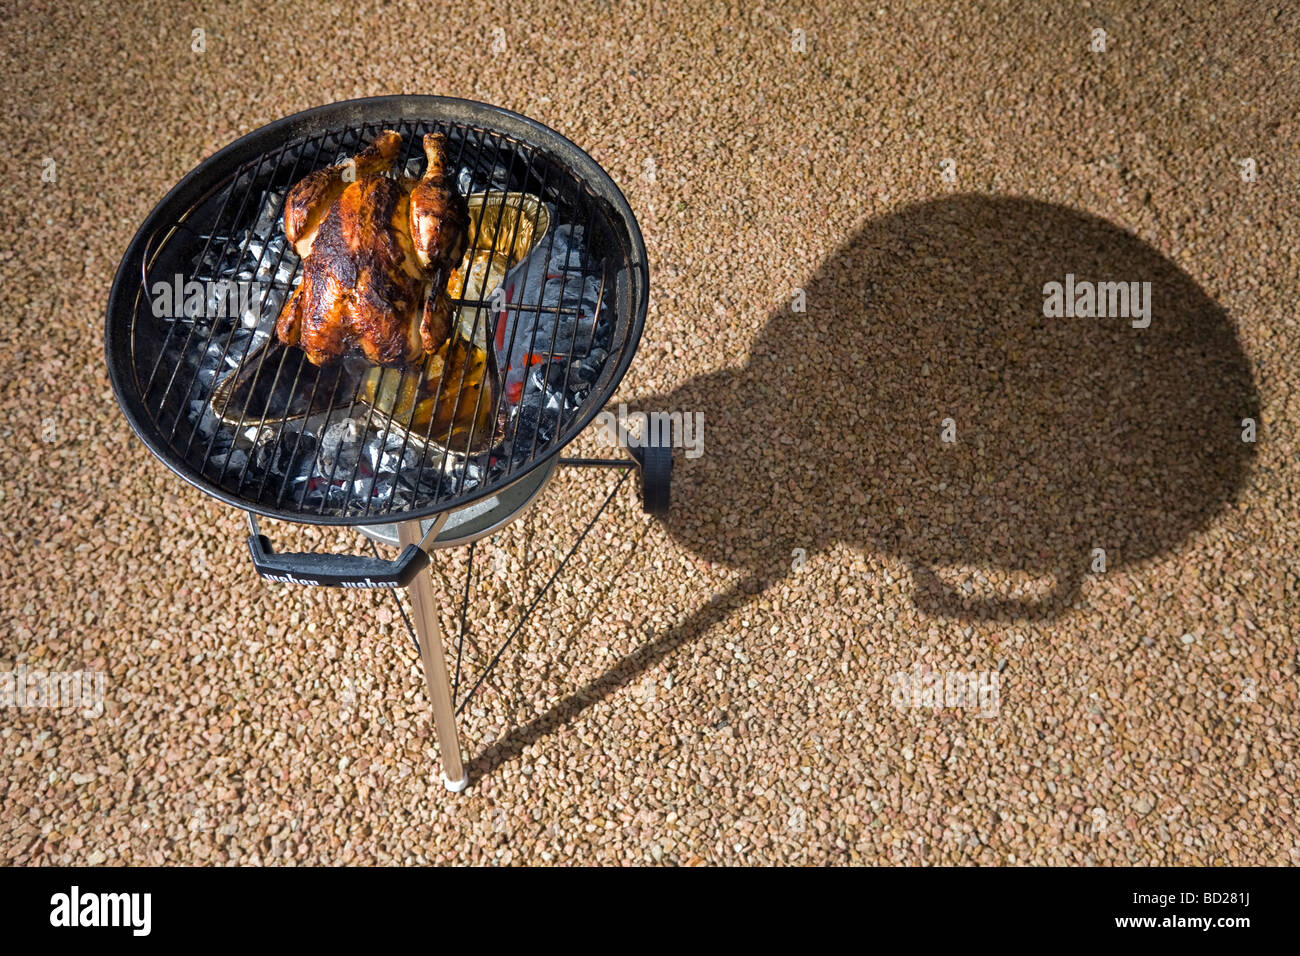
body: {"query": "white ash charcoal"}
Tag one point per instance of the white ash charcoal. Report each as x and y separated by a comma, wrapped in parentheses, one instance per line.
(235, 355)
(259, 435)
(392, 455)
(222, 258)
(250, 257)
(216, 353)
(204, 378)
(268, 215)
(471, 476)
(341, 447)
(220, 299)
(368, 488)
(286, 271)
(258, 339)
(266, 271)
(263, 309)
(472, 180)
(386, 460)
(382, 460)
(292, 451)
(226, 353)
(278, 264)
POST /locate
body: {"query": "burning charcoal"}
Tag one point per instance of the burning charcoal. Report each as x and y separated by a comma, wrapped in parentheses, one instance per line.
(259, 339)
(377, 492)
(294, 455)
(361, 493)
(206, 422)
(555, 307)
(215, 354)
(218, 297)
(464, 477)
(275, 267)
(535, 421)
(226, 353)
(204, 377)
(286, 270)
(473, 476)
(573, 401)
(402, 500)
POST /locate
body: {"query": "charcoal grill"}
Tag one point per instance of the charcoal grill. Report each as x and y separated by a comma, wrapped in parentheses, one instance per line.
(311, 445)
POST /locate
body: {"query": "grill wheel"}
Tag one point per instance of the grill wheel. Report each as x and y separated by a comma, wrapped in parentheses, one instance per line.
(656, 463)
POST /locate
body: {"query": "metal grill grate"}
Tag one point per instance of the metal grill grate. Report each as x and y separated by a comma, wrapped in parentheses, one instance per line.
(250, 454)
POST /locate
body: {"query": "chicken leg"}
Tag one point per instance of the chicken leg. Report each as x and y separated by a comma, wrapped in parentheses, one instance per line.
(439, 231)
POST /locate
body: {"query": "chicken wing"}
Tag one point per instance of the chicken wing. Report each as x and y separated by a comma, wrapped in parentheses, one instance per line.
(313, 195)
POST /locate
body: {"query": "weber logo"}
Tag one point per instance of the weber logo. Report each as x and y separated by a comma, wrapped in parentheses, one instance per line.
(287, 578)
(76, 909)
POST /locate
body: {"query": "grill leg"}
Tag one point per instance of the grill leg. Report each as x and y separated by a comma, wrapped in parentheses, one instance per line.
(435, 666)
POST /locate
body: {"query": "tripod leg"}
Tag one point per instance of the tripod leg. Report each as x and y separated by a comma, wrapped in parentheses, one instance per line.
(435, 666)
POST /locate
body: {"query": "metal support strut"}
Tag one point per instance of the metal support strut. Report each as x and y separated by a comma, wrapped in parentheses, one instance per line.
(427, 633)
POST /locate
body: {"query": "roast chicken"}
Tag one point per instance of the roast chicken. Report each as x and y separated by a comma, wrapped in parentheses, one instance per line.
(377, 253)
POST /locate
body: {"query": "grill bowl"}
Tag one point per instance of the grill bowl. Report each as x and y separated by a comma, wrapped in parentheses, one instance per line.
(219, 201)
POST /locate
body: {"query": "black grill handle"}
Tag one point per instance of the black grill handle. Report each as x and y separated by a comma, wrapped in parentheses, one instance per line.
(333, 570)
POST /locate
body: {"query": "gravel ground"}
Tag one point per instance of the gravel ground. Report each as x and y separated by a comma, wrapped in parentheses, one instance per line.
(723, 687)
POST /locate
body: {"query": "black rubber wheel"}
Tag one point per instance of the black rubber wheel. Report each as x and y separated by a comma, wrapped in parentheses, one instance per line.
(656, 477)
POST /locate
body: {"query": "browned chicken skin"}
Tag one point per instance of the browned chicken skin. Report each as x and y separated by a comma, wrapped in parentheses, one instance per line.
(376, 254)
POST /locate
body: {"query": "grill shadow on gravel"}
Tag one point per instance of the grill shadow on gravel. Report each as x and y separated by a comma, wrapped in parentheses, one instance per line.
(1072, 433)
